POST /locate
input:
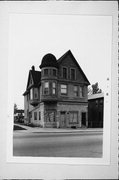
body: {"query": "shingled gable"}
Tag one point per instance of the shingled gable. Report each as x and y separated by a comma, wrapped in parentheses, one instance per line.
(36, 77)
(70, 54)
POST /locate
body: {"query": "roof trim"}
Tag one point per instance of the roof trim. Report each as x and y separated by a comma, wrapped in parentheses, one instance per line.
(96, 96)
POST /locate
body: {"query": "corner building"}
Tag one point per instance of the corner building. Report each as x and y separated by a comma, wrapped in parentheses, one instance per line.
(56, 96)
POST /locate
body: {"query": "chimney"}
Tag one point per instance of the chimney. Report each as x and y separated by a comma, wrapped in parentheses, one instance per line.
(33, 68)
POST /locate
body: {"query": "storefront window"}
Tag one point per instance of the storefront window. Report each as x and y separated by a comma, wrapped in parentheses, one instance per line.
(73, 117)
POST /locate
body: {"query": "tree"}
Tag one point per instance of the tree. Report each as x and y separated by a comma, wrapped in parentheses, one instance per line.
(15, 108)
(94, 89)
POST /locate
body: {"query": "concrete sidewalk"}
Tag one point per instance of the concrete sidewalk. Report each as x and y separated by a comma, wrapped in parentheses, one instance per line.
(56, 130)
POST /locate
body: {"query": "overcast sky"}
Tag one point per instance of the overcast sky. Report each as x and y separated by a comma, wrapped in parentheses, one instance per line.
(31, 36)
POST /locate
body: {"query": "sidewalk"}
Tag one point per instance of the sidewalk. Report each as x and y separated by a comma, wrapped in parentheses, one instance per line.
(55, 130)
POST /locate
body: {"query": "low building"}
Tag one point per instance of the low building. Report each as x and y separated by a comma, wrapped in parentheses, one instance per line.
(19, 115)
(95, 110)
(56, 96)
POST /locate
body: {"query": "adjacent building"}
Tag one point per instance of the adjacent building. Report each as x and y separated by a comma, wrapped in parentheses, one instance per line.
(56, 96)
(19, 115)
(95, 110)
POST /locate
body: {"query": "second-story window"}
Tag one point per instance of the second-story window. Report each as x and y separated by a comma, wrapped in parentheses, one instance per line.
(45, 72)
(63, 89)
(75, 91)
(73, 74)
(64, 69)
(46, 88)
(53, 88)
(31, 94)
(35, 93)
(81, 91)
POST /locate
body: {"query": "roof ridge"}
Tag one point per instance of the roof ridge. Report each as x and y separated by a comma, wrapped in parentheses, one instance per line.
(67, 52)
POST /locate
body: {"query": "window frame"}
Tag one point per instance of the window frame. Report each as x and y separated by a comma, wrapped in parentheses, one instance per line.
(39, 115)
(73, 112)
(35, 93)
(44, 88)
(81, 91)
(64, 67)
(31, 94)
(55, 72)
(74, 74)
(53, 88)
(63, 88)
(46, 74)
(77, 92)
(35, 116)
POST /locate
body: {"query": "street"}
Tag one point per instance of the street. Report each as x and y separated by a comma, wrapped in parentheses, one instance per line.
(70, 144)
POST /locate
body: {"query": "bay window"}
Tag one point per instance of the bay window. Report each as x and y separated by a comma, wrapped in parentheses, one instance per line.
(45, 72)
(46, 88)
(53, 88)
(35, 93)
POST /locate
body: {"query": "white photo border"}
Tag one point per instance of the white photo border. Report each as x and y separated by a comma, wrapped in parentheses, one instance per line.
(110, 126)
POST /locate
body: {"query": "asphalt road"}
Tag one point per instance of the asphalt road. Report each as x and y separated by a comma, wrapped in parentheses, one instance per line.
(78, 144)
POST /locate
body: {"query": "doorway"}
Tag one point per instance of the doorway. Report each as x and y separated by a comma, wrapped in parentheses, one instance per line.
(63, 119)
(83, 118)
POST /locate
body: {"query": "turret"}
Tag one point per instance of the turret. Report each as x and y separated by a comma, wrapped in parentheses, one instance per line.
(49, 75)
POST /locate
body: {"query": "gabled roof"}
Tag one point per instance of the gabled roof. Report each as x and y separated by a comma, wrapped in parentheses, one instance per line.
(69, 53)
(36, 76)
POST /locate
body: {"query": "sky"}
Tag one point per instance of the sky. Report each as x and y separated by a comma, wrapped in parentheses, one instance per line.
(31, 36)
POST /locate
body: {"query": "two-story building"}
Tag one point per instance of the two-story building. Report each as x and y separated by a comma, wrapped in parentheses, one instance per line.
(95, 110)
(56, 96)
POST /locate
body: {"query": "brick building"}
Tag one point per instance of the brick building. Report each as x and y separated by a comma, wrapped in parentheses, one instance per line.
(95, 110)
(56, 96)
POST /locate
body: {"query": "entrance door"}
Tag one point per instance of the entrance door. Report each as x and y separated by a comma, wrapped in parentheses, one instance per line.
(63, 119)
(83, 118)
